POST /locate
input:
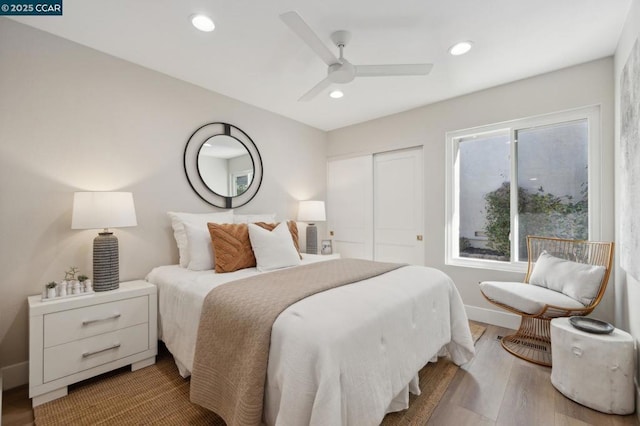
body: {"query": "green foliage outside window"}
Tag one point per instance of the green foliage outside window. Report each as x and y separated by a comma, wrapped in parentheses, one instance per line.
(540, 213)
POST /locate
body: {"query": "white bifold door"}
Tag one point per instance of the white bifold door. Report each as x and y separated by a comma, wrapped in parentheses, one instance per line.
(349, 206)
(375, 206)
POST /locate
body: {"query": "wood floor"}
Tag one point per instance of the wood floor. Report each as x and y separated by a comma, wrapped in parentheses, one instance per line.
(495, 388)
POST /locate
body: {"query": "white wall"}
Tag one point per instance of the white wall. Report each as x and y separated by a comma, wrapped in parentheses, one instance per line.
(215, 173)
(240, 164)
(627, 288)
(72, 118)
(574, 87)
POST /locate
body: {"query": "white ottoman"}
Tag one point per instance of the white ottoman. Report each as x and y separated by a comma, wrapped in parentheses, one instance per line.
(595, 370)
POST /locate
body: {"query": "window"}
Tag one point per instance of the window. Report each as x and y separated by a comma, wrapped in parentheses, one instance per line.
(534, 176)
(240, 182)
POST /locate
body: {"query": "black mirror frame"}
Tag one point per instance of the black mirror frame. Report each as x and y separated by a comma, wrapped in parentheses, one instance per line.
(191, 150)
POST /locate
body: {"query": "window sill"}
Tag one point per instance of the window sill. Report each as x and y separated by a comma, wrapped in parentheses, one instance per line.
(493, 265)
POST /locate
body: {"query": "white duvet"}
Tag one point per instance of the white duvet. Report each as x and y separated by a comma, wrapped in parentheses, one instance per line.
(346, 356)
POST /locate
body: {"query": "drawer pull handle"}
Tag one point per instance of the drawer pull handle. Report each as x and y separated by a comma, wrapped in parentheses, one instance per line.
(114, 316)
(99, 351)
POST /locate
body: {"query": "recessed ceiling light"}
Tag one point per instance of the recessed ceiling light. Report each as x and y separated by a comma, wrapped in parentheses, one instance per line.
(460, 48)
(203, 23)
(336, 94)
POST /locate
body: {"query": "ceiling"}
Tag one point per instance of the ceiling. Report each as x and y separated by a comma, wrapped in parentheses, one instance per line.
(252, 56)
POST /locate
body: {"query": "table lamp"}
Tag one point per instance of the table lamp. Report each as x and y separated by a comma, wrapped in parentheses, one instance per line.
(104, 210)
(311, 211)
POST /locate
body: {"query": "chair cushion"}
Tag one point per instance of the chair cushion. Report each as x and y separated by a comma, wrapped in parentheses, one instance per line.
(577, 280)
(526, 298)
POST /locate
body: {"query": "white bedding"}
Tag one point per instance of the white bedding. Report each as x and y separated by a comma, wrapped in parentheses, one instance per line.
(345, 356)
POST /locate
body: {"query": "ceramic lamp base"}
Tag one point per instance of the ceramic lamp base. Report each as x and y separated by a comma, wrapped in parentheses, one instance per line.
(106, 268)
(312, 239)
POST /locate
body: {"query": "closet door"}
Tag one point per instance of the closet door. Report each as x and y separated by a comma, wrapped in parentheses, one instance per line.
(398, 206)
(349, 206)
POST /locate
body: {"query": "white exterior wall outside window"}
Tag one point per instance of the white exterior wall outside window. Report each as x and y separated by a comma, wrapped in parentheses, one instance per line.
(538, 176)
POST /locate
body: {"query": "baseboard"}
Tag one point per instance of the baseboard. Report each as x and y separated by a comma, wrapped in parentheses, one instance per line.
(15, 375)
(489, 316)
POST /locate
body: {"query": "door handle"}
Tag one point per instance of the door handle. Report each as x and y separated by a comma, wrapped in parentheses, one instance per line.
(419, 237)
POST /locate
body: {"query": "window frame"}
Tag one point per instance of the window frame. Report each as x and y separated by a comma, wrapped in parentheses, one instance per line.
(594, 179)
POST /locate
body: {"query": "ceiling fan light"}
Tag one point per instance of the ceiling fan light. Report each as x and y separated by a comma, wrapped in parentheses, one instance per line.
(336, 94)
(460, 48)
(203, 23)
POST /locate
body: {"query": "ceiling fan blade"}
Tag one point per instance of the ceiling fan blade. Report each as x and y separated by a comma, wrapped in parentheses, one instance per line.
(298, 26)
(390, 70)
(315, 91)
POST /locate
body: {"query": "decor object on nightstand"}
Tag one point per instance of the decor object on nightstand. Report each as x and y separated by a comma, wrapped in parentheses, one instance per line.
(85, 283)
(95, 210)
(311, 211)
(327, 247)
(51, 289)
(68, 287)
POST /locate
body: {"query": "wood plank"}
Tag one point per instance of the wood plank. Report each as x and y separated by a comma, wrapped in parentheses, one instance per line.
(562, 420)
(485, 378)
(572, 409)
(631, 419)
(451, 414)
(16, 407)
(529, 397)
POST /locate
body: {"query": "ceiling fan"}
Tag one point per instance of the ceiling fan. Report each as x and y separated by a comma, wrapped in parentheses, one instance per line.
(340, 69)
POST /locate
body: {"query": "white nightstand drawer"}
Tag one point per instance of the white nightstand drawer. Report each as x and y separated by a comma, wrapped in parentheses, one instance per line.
(74, 324)
(64, 360)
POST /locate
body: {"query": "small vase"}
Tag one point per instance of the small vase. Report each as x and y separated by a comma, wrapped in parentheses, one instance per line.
(51, 293)
(87, 286)
(76, 287)
(62, 286)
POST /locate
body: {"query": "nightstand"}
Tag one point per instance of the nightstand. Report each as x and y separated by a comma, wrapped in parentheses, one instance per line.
(73, 339)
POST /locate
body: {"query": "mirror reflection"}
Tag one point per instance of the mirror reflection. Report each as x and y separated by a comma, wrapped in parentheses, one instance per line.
(225, 166)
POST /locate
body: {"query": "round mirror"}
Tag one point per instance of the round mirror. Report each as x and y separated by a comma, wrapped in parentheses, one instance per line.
(223, 165)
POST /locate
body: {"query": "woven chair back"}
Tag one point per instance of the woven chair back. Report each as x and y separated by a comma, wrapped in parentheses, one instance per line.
(581, 251)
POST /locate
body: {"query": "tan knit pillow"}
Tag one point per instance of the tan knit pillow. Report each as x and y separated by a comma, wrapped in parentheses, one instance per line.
(232, 246)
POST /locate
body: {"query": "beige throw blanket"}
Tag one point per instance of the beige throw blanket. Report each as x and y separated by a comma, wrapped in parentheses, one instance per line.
(232, 348)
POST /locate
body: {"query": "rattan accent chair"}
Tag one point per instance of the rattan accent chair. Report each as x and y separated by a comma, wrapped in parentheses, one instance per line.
(532, 341)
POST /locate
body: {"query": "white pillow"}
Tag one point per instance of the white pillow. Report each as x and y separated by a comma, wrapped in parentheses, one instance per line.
(199, 247)
(273, 249)
(253, 218)
(577, 280)
(196, 219)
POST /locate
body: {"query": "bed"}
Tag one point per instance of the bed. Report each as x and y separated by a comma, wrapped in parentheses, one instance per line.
(344, 356)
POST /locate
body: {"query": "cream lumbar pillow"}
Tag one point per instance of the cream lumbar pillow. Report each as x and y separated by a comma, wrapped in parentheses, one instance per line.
(579, 281)
(273, 249)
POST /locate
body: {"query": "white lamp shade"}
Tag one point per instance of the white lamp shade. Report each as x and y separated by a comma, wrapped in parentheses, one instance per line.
(96, 210)
(311, 211)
